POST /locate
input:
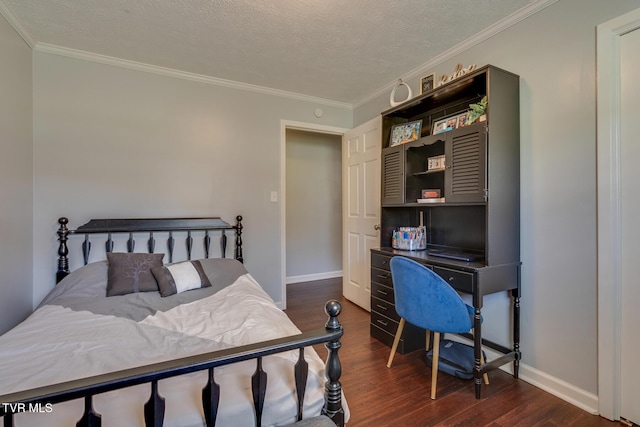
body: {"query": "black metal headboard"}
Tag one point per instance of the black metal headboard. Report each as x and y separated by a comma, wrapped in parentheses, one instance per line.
(146, 225)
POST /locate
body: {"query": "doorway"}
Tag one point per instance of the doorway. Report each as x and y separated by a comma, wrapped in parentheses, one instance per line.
(313, 206)
(311, 212)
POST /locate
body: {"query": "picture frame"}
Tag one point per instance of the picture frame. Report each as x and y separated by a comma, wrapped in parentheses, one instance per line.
(427, 83)
(445, 125)
(450, 123)
(405, 132)
(463, 119)
(439, 126)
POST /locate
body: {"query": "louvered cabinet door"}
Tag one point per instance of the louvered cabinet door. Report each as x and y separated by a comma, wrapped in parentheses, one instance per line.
(466, 158)
(392, 176)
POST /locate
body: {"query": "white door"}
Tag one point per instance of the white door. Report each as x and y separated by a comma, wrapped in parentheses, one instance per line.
(361, 208)
(630, 225)
(618, 155)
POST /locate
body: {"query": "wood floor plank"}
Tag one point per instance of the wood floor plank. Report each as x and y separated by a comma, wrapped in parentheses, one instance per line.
(399, 396)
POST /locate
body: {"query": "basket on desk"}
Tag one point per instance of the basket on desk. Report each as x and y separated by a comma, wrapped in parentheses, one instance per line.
(409, 238)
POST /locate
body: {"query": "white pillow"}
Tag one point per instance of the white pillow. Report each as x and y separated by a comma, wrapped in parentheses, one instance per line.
(180, 277)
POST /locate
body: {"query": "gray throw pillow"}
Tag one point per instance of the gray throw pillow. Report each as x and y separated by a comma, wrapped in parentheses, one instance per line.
(222, 271)
(131, 272)
(180, 277)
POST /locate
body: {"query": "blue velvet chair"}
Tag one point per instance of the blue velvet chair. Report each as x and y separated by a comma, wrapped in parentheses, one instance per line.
(424, 299)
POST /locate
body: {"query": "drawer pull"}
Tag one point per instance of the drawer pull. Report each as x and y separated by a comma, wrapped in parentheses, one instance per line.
(384, 276)
(382, 292)
(385, 324)
(381, 307)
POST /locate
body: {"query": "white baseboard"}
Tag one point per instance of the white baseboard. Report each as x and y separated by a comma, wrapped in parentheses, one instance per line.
(312, 277)
(559, 388)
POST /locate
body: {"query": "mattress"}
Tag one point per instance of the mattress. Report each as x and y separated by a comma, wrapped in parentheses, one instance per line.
(77, 332)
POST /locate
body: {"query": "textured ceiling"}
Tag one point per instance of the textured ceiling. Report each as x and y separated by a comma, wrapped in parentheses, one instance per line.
(332, 49)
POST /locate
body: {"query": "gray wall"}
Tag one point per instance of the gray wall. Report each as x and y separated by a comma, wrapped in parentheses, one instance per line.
(16, 179)
(314, 203)
(554, 53)
(113, 142)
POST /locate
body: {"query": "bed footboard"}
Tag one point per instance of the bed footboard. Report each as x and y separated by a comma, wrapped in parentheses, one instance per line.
(86, 388)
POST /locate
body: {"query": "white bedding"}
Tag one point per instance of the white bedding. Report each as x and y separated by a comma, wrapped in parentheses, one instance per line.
(60, 342)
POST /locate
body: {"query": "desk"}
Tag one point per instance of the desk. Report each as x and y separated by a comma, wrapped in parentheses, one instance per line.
(474, 278)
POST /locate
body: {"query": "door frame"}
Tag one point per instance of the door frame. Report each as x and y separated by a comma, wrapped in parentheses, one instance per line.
(609, 221)
(308, 127)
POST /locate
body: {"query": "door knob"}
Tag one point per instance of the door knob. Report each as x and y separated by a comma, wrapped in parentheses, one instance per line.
(376, 227)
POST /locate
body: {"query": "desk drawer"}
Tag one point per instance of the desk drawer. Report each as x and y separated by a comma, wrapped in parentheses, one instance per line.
(412, 338)
(381, 276)
(384, 323)
(385, 308)
(380, 261)
(383, 292)
(460, 281)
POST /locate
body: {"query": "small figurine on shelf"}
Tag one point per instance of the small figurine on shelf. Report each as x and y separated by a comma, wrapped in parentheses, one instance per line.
(478, 111)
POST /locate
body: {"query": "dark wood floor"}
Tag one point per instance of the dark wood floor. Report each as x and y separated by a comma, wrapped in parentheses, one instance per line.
(399, 396)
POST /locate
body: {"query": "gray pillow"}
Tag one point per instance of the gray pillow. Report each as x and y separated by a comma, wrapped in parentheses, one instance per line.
(180, 277)
(131, 272)
(222, 271)
(88, 281)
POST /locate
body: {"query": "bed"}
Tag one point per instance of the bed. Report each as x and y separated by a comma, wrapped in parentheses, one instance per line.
(205, 346)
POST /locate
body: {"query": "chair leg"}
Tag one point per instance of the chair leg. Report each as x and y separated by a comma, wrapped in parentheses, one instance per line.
(434, 363)
(485, 376)
(427, 339)
(396, 341)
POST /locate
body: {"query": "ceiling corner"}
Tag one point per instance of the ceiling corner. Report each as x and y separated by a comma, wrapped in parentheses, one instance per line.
(17, 24)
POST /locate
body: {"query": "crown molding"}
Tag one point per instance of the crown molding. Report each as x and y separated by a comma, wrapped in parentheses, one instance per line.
(6, 11)
(483, 35)
(17, 24)
(500, 26)
(169, 72)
